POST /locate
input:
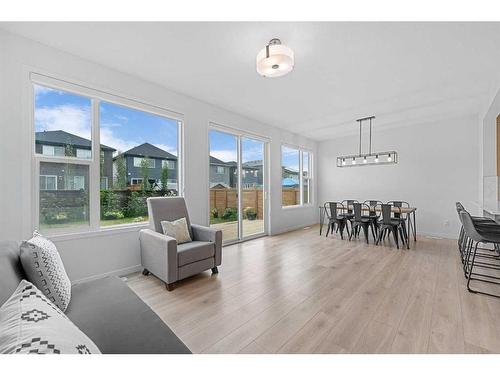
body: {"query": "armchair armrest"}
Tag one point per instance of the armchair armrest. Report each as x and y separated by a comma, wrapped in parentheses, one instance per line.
(201, 233)
(159, 254)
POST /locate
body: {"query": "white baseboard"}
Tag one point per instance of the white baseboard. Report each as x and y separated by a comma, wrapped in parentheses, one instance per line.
(120, 272)
(291, 229)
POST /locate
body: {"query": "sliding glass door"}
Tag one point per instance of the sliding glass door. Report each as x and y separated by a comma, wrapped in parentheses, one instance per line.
(237, 185)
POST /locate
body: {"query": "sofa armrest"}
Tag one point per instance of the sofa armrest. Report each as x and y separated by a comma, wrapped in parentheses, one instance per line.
(159, 255)
(201, 233)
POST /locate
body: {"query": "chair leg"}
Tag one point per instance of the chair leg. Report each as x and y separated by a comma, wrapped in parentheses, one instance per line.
(379, 237)
(145, 272)
(215, 270)
(352, 233)
(170, 286)
(373, 232)
(365, 231)
(328, 229)
(395, 235)
(341, 229)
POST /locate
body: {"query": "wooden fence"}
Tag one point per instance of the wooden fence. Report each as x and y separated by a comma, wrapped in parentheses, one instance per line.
(227, 198)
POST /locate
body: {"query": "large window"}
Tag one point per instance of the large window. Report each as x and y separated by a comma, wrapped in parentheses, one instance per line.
(296, 176)
(81, 186)
(140, 159)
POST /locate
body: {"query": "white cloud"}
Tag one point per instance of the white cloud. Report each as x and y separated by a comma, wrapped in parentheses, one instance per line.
(167, 148)
(224, 155)
(70, 118)
(109, 139)
(76, 120)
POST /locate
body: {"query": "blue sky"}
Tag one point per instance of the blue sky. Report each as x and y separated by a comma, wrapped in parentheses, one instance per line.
(224, 147)
(121, 128)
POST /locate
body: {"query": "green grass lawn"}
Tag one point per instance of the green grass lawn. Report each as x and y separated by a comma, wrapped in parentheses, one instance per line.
(218, 220)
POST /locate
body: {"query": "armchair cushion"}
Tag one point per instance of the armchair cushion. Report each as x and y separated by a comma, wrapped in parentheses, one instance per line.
(194, 251)
(177, 229)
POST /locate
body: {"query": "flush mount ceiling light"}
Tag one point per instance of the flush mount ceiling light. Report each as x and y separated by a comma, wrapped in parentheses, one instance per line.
(371, 158)
(275, 59)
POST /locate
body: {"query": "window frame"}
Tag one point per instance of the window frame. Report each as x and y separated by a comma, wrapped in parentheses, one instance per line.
(96, 96)
(301, 151)
(143, 158)
(48, 175)
(220, 170)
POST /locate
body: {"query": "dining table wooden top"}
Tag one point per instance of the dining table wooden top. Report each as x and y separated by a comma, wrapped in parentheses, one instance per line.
(378, 208)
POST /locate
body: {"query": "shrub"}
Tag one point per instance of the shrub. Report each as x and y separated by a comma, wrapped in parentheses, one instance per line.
(136, 205)
(230, 214)
(215, 212)
(250, 213)
(113, 215)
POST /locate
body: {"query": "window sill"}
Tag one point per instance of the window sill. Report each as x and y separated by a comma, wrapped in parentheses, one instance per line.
(297, 206)
(98, 233)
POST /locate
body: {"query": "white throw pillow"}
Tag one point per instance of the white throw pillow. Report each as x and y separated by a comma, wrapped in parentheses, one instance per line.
(44, 268)
(31, 324)
(177, 229)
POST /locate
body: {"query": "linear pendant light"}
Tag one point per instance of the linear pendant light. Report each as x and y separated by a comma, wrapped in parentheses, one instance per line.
(371, 158)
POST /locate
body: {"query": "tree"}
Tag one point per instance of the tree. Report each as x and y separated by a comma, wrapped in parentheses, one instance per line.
(121, 172)
(164, 177)
(145, 174)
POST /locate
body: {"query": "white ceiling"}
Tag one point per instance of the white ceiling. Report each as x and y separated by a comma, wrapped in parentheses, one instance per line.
(399, 72)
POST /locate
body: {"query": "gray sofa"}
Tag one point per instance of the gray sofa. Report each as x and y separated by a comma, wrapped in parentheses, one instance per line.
(106, 310)
(163, 257)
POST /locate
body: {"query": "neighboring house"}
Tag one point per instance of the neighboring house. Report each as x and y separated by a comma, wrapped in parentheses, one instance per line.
(252, 174)
(70, 176)
(289, 177)
(224, 174)
(221, 174)
(156, 159)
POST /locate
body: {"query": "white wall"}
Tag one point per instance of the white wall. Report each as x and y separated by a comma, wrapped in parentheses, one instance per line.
(489, 152)
(438, 165)
(109, 251)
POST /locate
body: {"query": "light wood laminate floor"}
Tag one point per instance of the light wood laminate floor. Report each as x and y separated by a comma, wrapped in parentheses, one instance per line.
(302, 293)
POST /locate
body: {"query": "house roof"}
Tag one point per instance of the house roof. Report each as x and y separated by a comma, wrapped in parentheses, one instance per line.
(60, 137)
(151, 151)
(215, 161)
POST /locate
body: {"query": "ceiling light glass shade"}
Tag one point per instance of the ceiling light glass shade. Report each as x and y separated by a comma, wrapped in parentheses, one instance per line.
(275, 60)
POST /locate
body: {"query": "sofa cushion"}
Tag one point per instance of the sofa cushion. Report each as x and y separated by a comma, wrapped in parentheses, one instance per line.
(11, 270)
(43, 267)
(112, 315)
(194, 251)
(31, 324)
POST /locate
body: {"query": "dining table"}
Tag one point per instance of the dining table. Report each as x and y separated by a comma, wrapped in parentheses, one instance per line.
(410, 213)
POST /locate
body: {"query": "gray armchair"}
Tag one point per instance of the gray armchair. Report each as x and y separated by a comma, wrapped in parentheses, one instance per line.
(160, 254)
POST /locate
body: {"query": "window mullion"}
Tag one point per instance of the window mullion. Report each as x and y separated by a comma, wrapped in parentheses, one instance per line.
(95, 171)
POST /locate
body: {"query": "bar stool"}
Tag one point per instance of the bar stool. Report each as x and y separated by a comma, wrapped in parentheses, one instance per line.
(478, 235)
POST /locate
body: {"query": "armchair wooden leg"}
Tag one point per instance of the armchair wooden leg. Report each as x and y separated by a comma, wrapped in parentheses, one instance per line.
(215, 270)
(145, 272)
(170, 286)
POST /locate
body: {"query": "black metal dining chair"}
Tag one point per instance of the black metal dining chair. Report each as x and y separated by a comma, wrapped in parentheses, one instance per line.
(390, 224)
(360, 221)
(374, 212)
(349, 211)
(334, 218)
(403, 217)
